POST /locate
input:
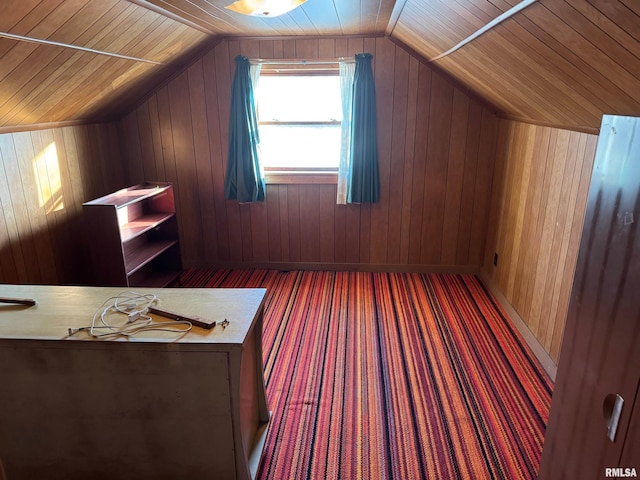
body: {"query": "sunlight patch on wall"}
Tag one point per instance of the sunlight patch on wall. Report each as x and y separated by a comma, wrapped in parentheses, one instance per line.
(48, 179)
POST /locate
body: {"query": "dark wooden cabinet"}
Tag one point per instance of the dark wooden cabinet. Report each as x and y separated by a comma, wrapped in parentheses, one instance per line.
(600, 356)
(133, 236)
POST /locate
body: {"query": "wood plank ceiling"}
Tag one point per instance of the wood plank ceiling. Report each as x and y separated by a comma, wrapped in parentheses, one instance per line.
(42, 83)
(315, 17)
(557, 62)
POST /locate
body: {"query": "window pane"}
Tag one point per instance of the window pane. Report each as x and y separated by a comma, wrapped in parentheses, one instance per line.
(300, 146)
(299, 99)
(290, 99)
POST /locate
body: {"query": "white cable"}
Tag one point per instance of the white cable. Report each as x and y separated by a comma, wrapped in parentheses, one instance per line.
(135, 307)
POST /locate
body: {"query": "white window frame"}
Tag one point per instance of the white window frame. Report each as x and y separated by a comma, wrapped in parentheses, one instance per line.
(293, 174)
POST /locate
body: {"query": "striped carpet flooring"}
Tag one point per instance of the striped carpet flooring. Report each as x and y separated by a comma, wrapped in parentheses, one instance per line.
(392, 376)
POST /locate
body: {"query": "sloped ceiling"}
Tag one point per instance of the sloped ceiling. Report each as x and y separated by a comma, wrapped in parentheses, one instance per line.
(49, 83)
(557, 62)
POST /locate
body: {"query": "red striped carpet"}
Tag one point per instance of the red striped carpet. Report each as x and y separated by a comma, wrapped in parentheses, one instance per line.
(393, 376)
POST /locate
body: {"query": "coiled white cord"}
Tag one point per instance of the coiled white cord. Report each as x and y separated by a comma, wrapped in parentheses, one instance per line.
(136, 308)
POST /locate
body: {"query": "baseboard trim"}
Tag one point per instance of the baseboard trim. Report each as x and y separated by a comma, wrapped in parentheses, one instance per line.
(536, 347)
(348, 267)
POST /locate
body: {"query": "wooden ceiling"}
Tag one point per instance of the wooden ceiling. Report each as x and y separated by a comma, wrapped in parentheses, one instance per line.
(42, 83)
(315, 17)
(557, 62)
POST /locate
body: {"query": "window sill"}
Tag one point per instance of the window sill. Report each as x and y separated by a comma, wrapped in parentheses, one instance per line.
(288, 177)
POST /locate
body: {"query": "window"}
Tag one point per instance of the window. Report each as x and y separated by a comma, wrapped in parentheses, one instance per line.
(299, 119)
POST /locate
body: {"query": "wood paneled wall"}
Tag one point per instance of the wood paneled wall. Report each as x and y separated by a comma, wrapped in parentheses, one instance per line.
(537, 210)
(45, 176)
(436, 150)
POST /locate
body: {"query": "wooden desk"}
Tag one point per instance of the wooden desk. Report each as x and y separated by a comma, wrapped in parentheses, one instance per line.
(147, 407)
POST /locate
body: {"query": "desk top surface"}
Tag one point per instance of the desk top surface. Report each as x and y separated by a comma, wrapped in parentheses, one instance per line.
(59, 308)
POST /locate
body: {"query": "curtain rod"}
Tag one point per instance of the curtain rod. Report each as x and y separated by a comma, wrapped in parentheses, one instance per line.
(291, 61)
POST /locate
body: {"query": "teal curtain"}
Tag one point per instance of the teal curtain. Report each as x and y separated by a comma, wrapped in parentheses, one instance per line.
(364, 185)
(244, 180)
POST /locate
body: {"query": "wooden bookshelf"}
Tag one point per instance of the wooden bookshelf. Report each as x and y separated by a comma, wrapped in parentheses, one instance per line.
(133, 236)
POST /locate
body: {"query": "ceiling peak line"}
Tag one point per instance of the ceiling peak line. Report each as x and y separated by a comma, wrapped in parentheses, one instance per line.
(499, 19)
(398, 8)
(171, 15)
(22, 38)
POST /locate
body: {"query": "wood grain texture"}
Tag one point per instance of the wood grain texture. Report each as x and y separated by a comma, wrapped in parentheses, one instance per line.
(45, 83)
(558, 62)
(538, 202)
(430, 134)
(561, 63)
(76, 380)
(340, 17)
(600, 355)
(46, 175)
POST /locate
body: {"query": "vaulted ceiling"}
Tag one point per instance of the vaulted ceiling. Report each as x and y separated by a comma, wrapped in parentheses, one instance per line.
(556, 62)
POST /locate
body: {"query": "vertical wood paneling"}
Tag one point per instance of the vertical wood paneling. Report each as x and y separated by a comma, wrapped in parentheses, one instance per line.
(45, 176)
(167, 159)
(190, 209)
(215, 151)
(133, 151)
(340, 233)
(295, 219)
(19, 244)
(432, 139)
(540, 188)
(419, 187)
(468, 183)
(197, 100)
(384, 69)
(224, 67)
(353, 233)
(310, 228)
(408, 155)
(482, 188)
(435, 180)
(156, 137)
(326, 201)
(397, 145)
(146, 142)
(273, 218)
(455, 177)
(260, 241)
(600, 356)
(283, 203)
(365, 234)
(32, 173)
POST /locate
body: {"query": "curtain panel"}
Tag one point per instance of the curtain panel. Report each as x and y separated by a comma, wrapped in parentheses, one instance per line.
(244, 178)
(347, 70)
(364, 185)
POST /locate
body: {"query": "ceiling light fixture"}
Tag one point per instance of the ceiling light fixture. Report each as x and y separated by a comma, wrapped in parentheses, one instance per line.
(264, 8)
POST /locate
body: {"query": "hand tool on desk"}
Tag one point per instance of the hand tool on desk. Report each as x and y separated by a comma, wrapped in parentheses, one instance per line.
(195, 320)
(30, 302)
